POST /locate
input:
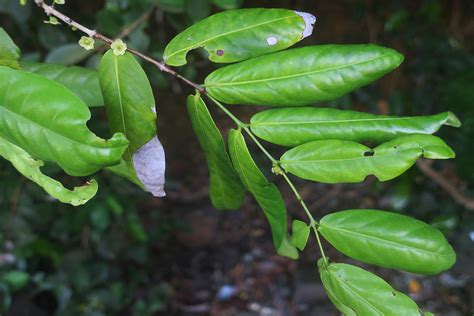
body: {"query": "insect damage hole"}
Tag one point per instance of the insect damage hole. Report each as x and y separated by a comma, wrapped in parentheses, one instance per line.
(272, 41)
(368, 153)
(220, 52)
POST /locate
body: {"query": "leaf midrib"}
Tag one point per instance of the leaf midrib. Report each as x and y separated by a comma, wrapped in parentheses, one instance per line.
(235, 83)
(349, 159)
(45, 128)
(122, 116)
(329, 122)
(343, 284)
(249, 186)
(237, 158)
(218, 173)
(384, 240)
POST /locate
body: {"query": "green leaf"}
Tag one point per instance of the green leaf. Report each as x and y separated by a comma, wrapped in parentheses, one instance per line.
(128, 99)
(228, 4)
(49, 122)
(68, 54)
(300, 235)
(355, 291)
(388, 240)
(334, 161)
(84, 82)
(266, 193)
(295, 126)
(9, 52)
(15, 279)
(30, 168)
(226, 189)
(237, 35)
(302, 76)
(131, 110)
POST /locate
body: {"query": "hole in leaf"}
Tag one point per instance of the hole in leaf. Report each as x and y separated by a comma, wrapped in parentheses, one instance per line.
(220, 52)
(368, 153)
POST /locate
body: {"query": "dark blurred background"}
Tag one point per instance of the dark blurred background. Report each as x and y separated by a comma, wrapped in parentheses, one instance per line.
(126, 253)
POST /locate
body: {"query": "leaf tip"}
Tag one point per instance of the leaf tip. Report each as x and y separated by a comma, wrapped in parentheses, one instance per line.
(438, 152)
(286, 249)
(399, 58)
(452, 120)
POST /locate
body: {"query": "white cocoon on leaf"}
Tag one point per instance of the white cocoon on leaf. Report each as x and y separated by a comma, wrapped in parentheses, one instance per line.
(150, 165)
(309, 19)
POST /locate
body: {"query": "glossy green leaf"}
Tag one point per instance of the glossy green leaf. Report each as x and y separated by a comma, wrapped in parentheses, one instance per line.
(236, 35)
(49, 122)
(295, 126)
(30, 168)
(131, 110)
(129, 99)
(333, 161)
(68, 54)
(9, 52)
(355, 292)
(266, 193)
(300, 233)
(16, 279)
(302, 76)
(226, 189)
(84, 82)
(228, 4)
(389, 240)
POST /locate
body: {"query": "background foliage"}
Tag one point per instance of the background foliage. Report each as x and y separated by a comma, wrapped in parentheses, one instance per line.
(125, 253)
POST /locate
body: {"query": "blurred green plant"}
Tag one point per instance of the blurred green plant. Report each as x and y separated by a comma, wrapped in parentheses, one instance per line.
(88, 292)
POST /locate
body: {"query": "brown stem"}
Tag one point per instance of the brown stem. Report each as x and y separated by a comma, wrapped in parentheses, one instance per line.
(447, 186)
(51, 11)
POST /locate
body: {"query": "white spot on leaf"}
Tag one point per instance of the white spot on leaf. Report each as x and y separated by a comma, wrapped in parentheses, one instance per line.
(272, 41)
(149, 163)
(309, 20)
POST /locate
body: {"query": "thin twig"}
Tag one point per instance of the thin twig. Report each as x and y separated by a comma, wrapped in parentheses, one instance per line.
(312, 221)
(51, 11)
(447, 186)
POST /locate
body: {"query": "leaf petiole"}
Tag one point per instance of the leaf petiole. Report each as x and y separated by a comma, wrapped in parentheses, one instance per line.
(241, 125)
